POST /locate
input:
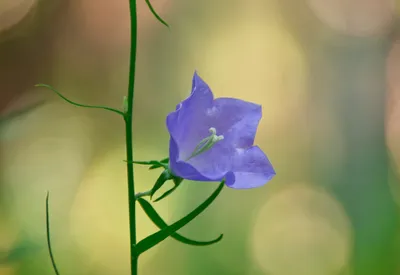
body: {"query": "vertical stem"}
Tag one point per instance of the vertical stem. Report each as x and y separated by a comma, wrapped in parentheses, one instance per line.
(128, 134)
(53, 262)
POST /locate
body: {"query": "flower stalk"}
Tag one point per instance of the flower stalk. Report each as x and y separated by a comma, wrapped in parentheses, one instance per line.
(128, 134)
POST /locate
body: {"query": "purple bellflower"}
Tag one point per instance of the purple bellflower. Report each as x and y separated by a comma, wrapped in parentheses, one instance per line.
(213, 139)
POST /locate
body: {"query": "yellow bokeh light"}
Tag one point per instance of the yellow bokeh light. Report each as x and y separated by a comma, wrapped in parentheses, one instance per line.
(356, 17)
(47, 149)
(301, 230)
(99, 217)
(13, 11)
(254, 58)
(7, 270)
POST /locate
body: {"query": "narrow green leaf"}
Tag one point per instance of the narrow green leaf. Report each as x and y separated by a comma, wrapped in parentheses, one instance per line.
(155, 14)
(177, 182)
(150, 162)
(142, 194)
(157, 220)
(166, 193)
(166, 160)
(165, 176)
(78, 104)
(154, 163)
(164, 233)
(48, 235)
(162, 163)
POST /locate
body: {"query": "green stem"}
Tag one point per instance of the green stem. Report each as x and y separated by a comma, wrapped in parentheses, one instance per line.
(78, 104)
(142, 194)
(151, 162)
(53, 262)
(129, 145)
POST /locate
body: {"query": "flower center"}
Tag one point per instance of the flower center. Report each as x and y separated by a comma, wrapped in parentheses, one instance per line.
(206, 143)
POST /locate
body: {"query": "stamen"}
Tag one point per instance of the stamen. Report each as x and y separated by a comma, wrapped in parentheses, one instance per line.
(206, 143)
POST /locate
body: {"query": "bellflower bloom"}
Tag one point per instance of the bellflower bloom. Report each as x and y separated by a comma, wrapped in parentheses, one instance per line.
(213, 139)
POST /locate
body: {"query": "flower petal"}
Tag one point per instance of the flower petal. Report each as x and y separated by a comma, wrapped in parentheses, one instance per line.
(180, 168)
(237, 121)
(250, 169)
(190, 109)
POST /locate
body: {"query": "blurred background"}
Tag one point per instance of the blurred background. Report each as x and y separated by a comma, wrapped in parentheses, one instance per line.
(327, 73)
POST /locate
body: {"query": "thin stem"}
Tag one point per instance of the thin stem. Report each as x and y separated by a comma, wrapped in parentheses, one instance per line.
(155, 14)
(53, 262)
(151, 162)
(142, 194)
(78, 104)
(129, 145)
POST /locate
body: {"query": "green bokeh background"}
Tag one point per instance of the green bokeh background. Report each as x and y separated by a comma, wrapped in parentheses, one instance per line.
(325, 74)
